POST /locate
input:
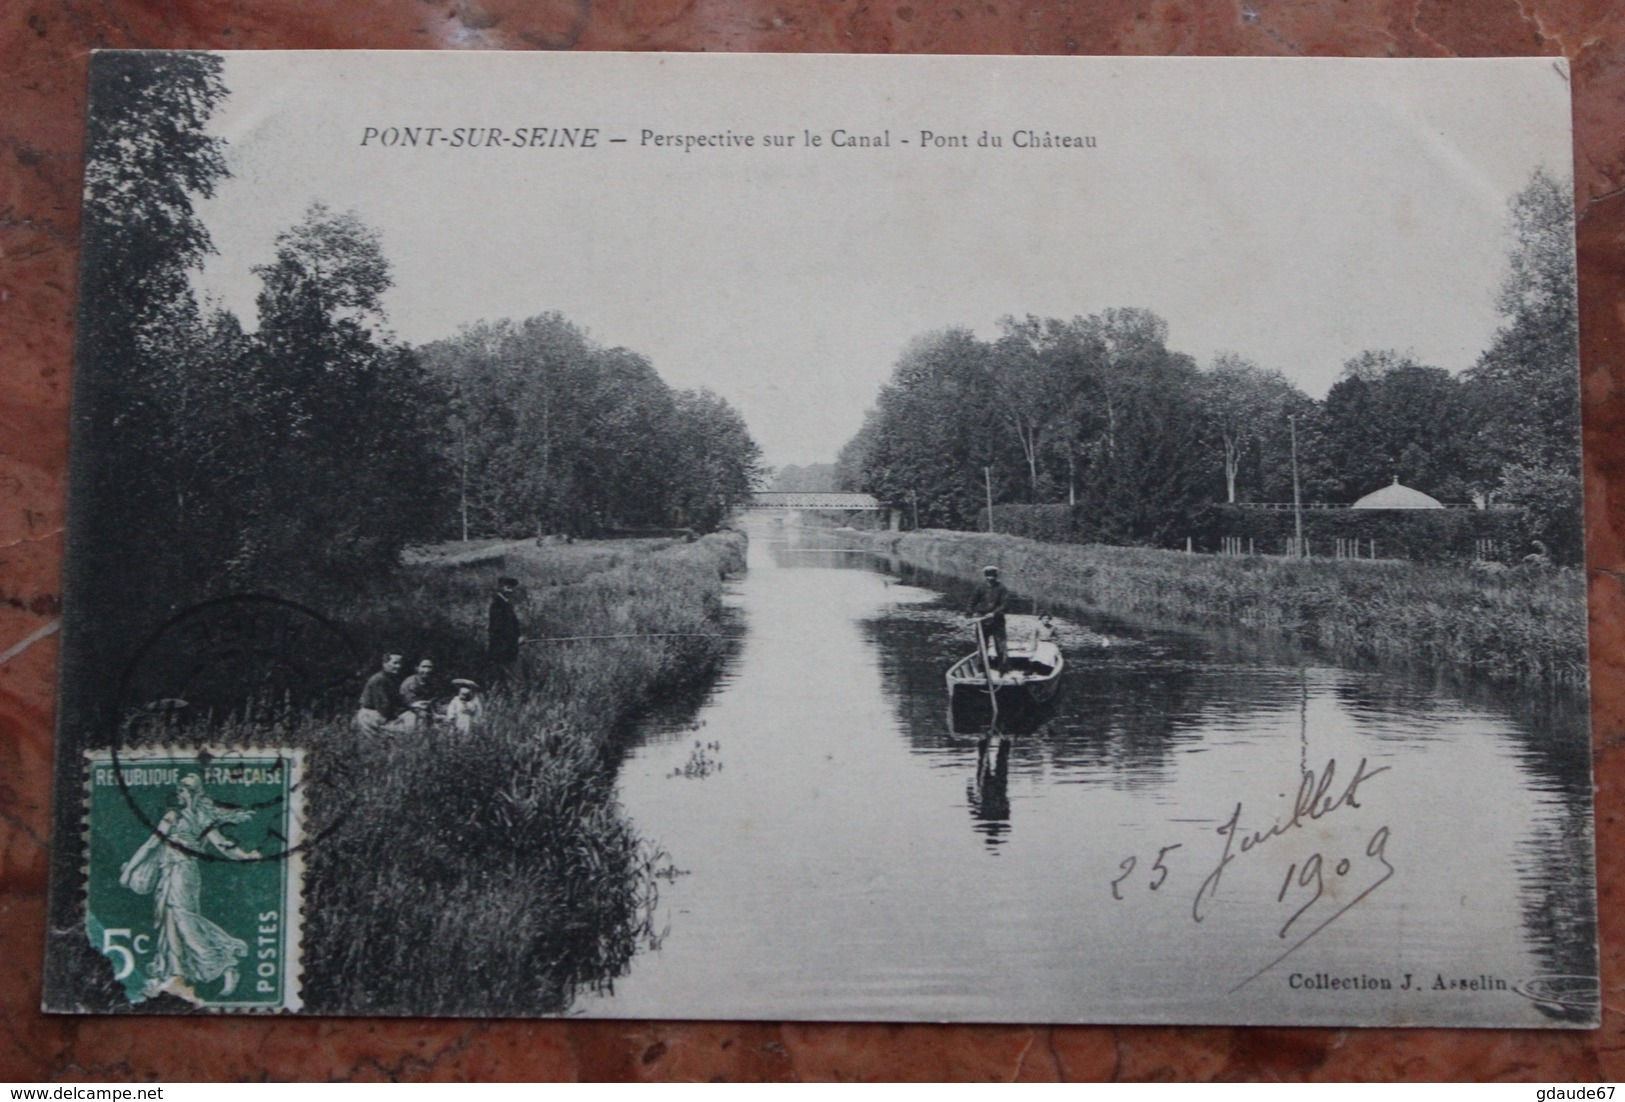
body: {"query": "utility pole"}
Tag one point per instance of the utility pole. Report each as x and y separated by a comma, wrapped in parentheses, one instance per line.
(987, 477)
(462, 488)
(1297, 501)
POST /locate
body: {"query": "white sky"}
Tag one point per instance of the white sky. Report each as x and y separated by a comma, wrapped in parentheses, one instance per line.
(1297, 212)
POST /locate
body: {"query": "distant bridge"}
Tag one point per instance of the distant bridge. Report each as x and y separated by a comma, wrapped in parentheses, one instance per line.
(787, 499)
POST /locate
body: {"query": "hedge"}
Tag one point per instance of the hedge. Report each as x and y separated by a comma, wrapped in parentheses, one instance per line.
(1432, 535)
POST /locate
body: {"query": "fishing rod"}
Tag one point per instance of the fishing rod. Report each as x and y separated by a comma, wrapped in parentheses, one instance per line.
(631, 635)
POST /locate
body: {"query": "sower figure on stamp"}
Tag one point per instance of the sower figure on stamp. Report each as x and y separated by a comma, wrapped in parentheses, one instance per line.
(988, 608)
(503, 639)
(382, 706)
(189, 949)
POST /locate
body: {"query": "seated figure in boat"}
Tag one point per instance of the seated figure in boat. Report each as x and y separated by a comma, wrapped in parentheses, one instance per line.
(988, 608)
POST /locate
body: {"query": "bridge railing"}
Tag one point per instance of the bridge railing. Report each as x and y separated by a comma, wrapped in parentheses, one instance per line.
(793, 499)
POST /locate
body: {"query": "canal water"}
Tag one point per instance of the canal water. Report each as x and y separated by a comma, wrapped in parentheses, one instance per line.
(1198, 829)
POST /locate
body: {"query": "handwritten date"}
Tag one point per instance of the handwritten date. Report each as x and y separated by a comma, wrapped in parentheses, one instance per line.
(1315, 871)
(1128, 863)
(1308, 881)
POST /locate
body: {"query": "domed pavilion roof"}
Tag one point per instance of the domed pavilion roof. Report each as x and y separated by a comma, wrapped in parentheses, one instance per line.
(1397, 497)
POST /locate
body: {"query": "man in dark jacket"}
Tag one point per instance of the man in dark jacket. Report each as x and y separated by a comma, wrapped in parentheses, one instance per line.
(382, 707)
(989, 607)
(502, 645)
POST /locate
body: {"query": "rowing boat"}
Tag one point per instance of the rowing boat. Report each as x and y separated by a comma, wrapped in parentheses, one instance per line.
(1032, 672)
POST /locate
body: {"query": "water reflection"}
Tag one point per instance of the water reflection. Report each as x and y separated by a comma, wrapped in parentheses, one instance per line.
(989, 792)
(827, 864)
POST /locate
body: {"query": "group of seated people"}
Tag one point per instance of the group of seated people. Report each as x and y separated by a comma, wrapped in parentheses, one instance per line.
(390, 704)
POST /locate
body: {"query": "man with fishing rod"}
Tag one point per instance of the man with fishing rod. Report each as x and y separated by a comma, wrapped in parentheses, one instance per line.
(502, 637)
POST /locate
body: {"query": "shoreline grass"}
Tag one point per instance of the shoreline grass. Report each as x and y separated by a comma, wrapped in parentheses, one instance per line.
(1516, 625)
(494, 873)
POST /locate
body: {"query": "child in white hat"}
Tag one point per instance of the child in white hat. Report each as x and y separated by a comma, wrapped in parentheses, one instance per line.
(464, 711)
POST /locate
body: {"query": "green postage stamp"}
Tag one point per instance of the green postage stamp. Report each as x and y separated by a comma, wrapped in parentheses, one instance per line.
(195, 874)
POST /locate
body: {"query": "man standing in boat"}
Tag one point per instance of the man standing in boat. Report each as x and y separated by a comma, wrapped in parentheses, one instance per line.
(988, 608)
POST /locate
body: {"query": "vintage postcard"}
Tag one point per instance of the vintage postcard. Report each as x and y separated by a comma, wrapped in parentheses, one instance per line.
(809, 537)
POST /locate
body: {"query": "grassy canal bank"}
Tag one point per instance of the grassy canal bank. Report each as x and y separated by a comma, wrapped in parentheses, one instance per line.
(495, 874)
(491, 873)
(1523, 625)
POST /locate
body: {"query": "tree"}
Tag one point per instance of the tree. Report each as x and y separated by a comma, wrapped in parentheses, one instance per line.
(1145, 487)
(1552, 499)
(342, 408)
(1132, 437)
(149, 158)
(1524, 390)
(551, 433)
(330, 270)
(716, 461)
(1099, 361)
(1037, 378)
(1244, 406)
(206, 466)
(524, 390)
(1102, 393)
(1134, 342)
(1373, 365)
(934, 429)
(1540, 281)
(629, 415)
(853, 461)
(1389, 417)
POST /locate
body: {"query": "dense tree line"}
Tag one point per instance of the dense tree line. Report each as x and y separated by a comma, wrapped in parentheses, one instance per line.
(311, 448)
(547, 432)
(139, 241)
(1100, 413)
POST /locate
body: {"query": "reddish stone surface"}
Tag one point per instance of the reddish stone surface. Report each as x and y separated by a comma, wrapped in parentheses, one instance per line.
(43, 50)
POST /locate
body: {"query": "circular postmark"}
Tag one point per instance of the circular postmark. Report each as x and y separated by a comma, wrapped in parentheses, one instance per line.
(229, 670)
